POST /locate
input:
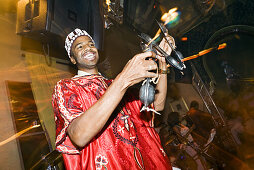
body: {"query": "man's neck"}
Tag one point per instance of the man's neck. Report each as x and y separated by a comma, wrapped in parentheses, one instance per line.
(90, 71)
(81, 73)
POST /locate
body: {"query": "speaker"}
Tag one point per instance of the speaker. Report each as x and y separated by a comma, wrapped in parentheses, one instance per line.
(47, 20)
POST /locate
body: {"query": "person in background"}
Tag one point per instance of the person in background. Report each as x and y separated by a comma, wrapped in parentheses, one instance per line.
(203, 122)
(98, 121)
(184, 141)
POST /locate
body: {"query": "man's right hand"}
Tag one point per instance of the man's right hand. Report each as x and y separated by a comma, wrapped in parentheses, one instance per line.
(137, 69)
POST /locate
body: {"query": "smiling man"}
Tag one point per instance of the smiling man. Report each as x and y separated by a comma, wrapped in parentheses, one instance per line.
(85, 59)
(98, 121)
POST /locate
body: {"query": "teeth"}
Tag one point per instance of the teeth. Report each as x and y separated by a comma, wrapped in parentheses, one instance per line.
(89, 56)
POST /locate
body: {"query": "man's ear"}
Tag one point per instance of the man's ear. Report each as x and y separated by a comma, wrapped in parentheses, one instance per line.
(73, 60)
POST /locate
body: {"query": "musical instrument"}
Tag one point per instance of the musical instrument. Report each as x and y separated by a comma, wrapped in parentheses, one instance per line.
(147, 91)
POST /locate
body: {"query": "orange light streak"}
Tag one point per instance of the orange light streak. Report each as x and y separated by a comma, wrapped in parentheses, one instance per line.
(221, 46)
(205, 51)
(108, 2)
(17, 135)
(184, 38)
(156, 35)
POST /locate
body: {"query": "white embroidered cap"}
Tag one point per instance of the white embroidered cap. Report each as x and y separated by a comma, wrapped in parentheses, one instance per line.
(72, 36)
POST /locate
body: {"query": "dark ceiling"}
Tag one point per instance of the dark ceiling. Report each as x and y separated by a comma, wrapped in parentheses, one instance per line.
(199, 21)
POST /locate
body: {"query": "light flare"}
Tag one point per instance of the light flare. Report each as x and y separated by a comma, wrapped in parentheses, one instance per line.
(18, 134)
(172, 16)
(108, 2)
(169, 16)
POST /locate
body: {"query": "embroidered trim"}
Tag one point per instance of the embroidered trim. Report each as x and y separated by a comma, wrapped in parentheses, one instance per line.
(100, 162)
(141, 165)
(118, 136)
(63, 105)
(72, 36)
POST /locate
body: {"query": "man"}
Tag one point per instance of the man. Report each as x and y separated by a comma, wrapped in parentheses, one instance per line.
(98, 121)
(184, 141)
(202, 121)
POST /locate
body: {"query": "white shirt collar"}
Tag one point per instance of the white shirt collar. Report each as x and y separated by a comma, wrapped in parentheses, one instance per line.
(83, 73)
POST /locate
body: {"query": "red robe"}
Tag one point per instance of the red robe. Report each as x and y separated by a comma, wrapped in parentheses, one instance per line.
(128, 140)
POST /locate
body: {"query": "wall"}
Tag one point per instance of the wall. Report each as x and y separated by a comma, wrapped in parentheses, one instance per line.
(24, 66)
(13, 68)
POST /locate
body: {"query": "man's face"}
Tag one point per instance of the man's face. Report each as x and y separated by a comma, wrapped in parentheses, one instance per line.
(85, 54)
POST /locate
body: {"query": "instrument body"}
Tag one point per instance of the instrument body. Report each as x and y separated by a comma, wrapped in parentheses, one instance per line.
(147, 91)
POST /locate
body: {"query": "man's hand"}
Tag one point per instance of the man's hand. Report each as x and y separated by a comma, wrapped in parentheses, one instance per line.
(138, 68)
(165, 46)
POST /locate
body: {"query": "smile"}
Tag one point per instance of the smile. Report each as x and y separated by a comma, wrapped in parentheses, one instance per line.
(89, 56)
